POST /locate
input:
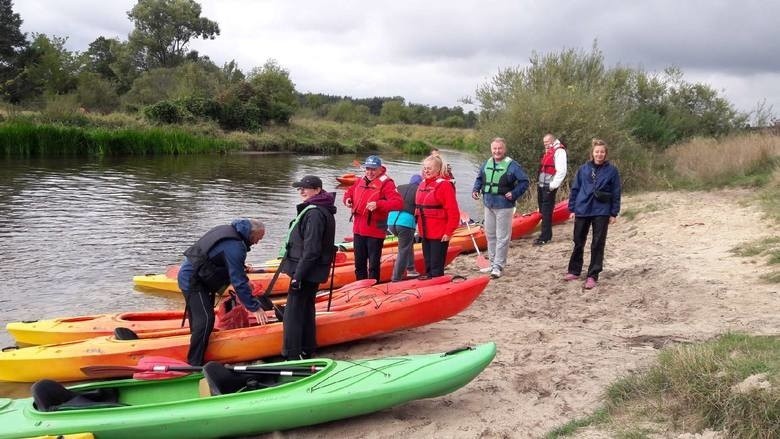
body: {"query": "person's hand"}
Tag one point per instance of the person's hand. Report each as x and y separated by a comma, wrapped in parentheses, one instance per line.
(262, 319)
(475, 195)
(371, 206)
(612, 219)
(508, 196)
(348, 202)
(571, 215)
(445, 238)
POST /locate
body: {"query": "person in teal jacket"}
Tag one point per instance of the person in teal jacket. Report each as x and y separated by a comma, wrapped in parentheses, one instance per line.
(595, 201)
(402, 224)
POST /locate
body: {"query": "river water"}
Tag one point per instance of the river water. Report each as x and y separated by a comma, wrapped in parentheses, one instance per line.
(73, 232)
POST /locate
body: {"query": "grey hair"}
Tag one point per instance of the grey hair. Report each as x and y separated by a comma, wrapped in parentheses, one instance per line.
(256, 224)
(498, 140)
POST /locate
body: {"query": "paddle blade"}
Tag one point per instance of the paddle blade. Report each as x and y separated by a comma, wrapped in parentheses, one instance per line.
(482, 261)
(356, 163)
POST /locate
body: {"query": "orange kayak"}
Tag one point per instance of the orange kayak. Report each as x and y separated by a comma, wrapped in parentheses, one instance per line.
(343, 274)
(62, 330)
(406, 309)
(347, 179)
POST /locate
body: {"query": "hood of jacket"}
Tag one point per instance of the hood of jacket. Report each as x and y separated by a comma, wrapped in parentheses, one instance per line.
(244, 228)
(324, 199)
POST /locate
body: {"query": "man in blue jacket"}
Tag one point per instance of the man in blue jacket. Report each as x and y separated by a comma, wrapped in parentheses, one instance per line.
(215, 261)
(501, 181)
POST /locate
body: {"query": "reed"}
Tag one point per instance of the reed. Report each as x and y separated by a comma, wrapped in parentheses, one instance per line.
(745, 159)
(19, 138)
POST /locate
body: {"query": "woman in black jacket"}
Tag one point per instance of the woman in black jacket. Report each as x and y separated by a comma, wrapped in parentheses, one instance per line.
(309, 255)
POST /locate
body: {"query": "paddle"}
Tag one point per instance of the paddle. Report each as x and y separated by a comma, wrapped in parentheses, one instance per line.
(156, 367)
(332, 276)
(265, 297)
(482, 262)
(356, 163)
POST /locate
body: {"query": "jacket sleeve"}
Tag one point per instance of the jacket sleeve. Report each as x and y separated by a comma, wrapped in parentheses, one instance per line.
(235, 258)
(313, 228)
(560, 168)
(616, 193)
(480, 180)
(450, 202)
(348, 194)
(574, 190)
(390, 199)
(521, 181)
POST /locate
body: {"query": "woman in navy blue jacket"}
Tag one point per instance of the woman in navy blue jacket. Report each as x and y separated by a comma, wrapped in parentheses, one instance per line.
(595, 202)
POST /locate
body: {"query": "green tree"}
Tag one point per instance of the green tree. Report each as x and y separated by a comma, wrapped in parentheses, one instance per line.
(13, 45)
(346, 111)
(273, 85)
(101, 57)
(54, 69)
(394, 112)
(163, 28)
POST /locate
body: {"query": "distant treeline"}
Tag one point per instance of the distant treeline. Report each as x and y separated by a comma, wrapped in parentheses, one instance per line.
(154, 74)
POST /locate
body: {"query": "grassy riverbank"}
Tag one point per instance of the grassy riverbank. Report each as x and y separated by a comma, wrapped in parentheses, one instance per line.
(730, 384)
(26, 134)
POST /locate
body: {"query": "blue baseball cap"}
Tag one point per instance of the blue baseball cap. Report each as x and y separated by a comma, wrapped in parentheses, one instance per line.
(372, 161)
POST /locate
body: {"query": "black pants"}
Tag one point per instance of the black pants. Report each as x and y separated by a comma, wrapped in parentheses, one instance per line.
(434, 253)
(598, 241)
(300, 329)
(367, 249)
(545, 197)
(200, 304)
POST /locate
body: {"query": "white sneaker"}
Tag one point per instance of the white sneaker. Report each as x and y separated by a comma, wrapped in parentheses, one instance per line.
(486, 270)
(495, 273)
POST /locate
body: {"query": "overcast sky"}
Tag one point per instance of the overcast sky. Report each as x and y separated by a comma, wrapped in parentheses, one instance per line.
(434, 52)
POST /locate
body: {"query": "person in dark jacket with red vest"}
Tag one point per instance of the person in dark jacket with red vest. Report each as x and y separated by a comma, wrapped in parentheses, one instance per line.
(438, 214)
(215, 261)
(371, 199)
(595, 201)
(308, 258)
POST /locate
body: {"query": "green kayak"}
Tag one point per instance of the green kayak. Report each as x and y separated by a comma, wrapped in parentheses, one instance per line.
(229, 402)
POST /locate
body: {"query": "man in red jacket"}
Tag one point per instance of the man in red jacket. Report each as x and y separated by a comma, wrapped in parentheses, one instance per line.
(371, 199)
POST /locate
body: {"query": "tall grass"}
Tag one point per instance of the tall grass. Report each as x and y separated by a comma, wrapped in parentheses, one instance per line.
(28, 139)
(735, 160)
(731, 384)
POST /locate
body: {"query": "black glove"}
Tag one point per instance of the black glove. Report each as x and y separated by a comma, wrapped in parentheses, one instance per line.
(295, 285)
(265, 303)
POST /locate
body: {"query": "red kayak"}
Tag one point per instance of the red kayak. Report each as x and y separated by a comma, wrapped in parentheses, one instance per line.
(65, 329)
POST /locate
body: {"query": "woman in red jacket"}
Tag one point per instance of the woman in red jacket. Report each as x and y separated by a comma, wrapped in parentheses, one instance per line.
(437, 215)
(371, 198)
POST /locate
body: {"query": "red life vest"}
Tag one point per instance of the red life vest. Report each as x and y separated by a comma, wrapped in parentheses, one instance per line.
(547, 165)
(426, 205)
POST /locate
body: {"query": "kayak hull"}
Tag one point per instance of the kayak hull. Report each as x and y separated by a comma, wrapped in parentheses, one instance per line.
(350, 321)
(173, 408)
(66, 329)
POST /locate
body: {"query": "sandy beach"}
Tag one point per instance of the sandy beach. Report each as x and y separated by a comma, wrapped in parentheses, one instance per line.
(669, 277)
